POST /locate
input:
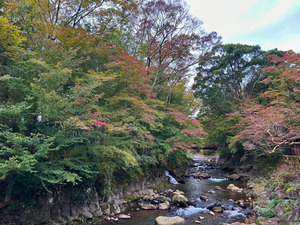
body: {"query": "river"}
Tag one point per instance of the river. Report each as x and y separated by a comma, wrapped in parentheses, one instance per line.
(193, 189)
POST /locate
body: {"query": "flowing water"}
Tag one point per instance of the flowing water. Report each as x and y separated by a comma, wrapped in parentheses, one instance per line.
(193, 189)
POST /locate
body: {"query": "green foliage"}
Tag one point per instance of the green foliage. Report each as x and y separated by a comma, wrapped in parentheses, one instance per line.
(77, 111)
(274, 202)
(268, 212)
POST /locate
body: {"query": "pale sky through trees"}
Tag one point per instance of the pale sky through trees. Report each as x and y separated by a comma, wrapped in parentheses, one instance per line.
(269, 23)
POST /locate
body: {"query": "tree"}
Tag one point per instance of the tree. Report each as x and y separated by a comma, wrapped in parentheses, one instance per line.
(41, 19)
(170, 41)
(223, 73)
(9, 41)
(267, 128)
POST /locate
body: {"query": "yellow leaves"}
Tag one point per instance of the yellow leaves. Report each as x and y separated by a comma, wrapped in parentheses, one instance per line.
(55, 79)
(74, 37)
(10, 38)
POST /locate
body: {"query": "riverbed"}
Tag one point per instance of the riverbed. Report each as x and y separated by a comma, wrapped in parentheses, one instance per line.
(194, 189)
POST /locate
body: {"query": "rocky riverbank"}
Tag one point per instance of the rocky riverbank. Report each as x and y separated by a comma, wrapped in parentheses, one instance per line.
(276, 197)
(221, 198)
(274, 189)
(84, 207)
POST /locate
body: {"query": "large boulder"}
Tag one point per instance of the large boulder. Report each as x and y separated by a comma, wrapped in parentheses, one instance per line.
(181, 200)
(160, 199)
(201, 175)
(234, 188)
(148, 206)
(164, 220)
(124, 217)
(234, 177)
(164, 206)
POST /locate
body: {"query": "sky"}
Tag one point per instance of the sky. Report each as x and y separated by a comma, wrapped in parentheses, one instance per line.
(268, 23)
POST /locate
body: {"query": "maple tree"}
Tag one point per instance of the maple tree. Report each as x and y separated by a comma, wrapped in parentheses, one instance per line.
(268, 127)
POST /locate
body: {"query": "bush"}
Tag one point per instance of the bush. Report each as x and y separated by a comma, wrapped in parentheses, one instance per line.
(268, 212)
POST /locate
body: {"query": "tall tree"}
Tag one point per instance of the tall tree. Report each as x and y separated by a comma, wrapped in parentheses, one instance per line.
(266, 126)
(40, 19)
(171, 41)
(223, 73)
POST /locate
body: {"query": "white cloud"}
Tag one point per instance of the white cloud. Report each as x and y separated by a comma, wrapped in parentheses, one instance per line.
(223, 16)
(232, 18)
(280, 10)
(293, 43)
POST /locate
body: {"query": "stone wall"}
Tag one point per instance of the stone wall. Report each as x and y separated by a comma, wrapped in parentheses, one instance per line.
(59, 209)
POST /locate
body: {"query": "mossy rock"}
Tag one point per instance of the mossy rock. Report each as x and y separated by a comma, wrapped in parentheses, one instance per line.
(289, 189)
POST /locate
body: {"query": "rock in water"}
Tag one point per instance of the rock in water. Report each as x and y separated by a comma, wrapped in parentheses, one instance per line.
(148, 206)
(164, 206)
(234, 188)
(217, 209)
(181, 200)
(123, 216)
(234, 176)
(164, 220)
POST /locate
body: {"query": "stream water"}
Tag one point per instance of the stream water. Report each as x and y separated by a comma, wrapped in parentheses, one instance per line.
(193, 189)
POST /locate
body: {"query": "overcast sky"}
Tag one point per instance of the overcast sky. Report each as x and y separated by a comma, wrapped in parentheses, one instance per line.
(269, 23)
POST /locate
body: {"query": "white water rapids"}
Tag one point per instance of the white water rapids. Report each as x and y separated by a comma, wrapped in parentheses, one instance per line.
(171, 179)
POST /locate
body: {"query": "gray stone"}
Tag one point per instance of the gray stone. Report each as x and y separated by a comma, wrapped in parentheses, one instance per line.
(217, 209)
(65, 210)
(211, 213)
(234, 176)
(123, 216)
(234, 188)
(160, 199)
(70, 219)
(177, 192)
(204, 198)
(181, 200)
(27, 216)
(164, 206)
(95, 210)
(148, 197)
(116, 209)
(106, 210)
(93, 207)
(86, 213)
(293, 193)
(148, 206)
(201, 175)
(149, 192)
(98, 213)
(43, 214)
(55, 212)
(164, 220)
(75, 212)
